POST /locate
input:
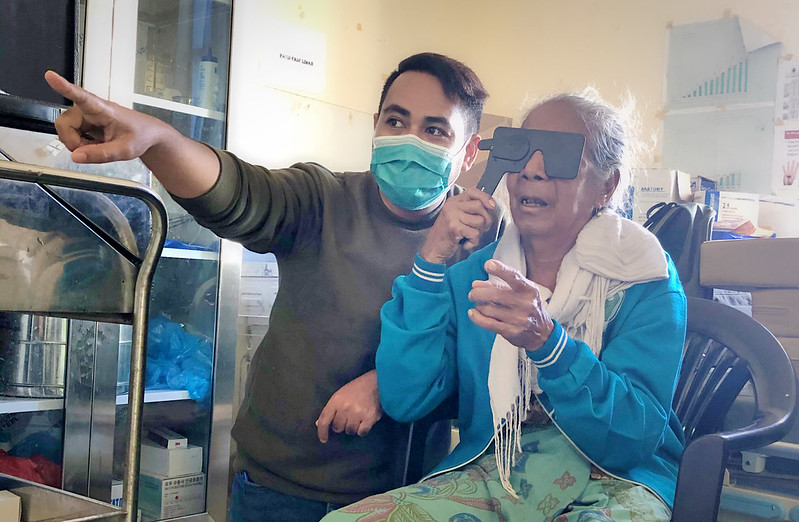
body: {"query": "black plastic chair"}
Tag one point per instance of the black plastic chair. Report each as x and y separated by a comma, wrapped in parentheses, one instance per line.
(724, 350)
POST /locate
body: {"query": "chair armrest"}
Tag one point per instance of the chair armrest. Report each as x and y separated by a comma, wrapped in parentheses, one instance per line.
(769, 426)
(704, 460)
(699, 480)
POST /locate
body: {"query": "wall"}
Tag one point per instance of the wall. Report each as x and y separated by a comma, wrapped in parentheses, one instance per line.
(521, 50)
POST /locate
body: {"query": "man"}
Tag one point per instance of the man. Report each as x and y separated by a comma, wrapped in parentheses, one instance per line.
(340, 241)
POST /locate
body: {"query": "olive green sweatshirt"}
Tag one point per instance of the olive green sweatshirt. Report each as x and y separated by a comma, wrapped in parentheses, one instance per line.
(338, 250)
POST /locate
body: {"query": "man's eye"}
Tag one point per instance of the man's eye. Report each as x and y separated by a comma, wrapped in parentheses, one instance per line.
(394, 122)
(435, 131)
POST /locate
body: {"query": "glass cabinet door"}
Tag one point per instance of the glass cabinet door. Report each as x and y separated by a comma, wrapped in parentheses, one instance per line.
(181, 65)
(180, 76)
(69, 420)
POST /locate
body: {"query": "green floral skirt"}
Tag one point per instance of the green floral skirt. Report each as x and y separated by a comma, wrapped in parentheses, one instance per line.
(552, 479)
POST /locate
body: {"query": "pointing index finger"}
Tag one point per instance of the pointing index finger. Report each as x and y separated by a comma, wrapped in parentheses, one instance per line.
(69, 90)
(515, 280)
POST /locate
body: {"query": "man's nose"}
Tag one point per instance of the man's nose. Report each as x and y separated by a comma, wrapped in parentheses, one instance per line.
(534, 169)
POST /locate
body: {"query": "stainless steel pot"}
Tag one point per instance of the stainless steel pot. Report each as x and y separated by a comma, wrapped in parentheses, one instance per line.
(33, 355)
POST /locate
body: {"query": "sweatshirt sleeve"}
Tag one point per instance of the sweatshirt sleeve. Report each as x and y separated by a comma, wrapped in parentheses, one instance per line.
(416, 365)
(265, 210)
(623, 398)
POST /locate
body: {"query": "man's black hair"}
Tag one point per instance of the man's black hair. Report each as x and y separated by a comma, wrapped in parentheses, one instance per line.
(459, 82)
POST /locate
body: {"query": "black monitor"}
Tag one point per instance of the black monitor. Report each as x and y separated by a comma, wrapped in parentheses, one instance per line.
(36, 35)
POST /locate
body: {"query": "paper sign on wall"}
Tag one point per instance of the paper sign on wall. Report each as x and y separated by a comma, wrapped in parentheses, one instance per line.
(787, 107)
(292, 57)
(720, 62)
(721, 80)
(786, 160)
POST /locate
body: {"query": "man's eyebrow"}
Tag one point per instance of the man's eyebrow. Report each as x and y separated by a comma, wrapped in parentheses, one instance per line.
(429, 120)
(399, 109)
(440, 120)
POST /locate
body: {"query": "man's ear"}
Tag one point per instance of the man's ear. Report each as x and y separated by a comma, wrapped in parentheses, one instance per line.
(471, 153)
(374, 121)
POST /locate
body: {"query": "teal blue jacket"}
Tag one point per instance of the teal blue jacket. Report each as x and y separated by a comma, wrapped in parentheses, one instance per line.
(616, 409)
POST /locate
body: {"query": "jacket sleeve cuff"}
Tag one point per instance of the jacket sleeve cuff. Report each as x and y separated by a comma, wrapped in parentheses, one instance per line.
(426, 276)
(219, 196)
(555, 357)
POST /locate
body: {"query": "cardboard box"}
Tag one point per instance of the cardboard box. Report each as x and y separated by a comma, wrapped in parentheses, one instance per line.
(652, 186)
(732, 208)
(791, 345)
(10, 507)
(116, 496)
(778, 310)
(780, 215)
(702, 183)
(116, 492)
(170, 462)
(167, 438)
(748, 264)
(168, 497)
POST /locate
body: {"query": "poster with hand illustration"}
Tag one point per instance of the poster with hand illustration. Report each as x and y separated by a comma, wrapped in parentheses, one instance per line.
(786, 159)
(785, 164)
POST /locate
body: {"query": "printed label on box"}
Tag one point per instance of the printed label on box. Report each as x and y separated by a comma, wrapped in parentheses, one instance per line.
(652, 186)
(162, 497)
(732, 208)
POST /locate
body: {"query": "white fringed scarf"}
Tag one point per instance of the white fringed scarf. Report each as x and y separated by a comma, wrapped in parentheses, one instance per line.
(609, 255)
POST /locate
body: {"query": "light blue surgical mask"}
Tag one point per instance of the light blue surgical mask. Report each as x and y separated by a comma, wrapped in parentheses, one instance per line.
(411, 172)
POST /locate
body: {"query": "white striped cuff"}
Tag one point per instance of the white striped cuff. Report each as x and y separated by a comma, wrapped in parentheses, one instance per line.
(552, 358)
(427, 275)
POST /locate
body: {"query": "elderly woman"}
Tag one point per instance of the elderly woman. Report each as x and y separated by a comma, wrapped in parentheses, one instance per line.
(563, 340)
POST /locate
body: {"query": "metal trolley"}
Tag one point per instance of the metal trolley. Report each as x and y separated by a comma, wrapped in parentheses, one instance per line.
(113, 287)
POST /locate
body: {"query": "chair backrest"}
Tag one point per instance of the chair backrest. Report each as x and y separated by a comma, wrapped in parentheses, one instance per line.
(681, 228)
(724, 350)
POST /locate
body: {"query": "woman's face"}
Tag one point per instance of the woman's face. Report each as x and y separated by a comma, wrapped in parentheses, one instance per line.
(554, 209)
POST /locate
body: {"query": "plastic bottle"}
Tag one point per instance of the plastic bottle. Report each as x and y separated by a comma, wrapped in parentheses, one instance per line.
(209, 82)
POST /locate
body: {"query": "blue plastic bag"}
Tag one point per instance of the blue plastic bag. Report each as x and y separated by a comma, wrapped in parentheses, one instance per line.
(178, 360)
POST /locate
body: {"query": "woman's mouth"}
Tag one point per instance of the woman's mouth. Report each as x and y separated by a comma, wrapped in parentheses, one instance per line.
(533, 202)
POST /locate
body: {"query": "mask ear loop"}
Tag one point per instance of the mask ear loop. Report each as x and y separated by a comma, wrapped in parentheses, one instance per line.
(450, 184)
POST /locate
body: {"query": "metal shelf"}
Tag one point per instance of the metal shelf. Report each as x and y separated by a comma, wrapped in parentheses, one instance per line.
(152, 101)
(185, 253)
(21, 405)
(157, 396)
(42, 503)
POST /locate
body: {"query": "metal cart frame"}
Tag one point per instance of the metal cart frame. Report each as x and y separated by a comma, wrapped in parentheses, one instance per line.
(43, 502)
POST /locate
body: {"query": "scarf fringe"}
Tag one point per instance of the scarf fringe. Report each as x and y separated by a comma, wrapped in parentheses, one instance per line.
(508, 434)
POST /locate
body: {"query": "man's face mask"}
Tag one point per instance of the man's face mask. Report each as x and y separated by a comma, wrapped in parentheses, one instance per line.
(511, 149)
(411, 172)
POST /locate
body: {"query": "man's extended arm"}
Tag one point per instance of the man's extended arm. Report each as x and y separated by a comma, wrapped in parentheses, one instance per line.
(100, 131)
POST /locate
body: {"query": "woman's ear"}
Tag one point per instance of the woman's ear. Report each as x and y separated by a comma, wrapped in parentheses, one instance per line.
(611, 184)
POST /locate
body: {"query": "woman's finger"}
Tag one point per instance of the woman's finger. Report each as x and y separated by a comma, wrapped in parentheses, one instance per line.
(510, 275)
